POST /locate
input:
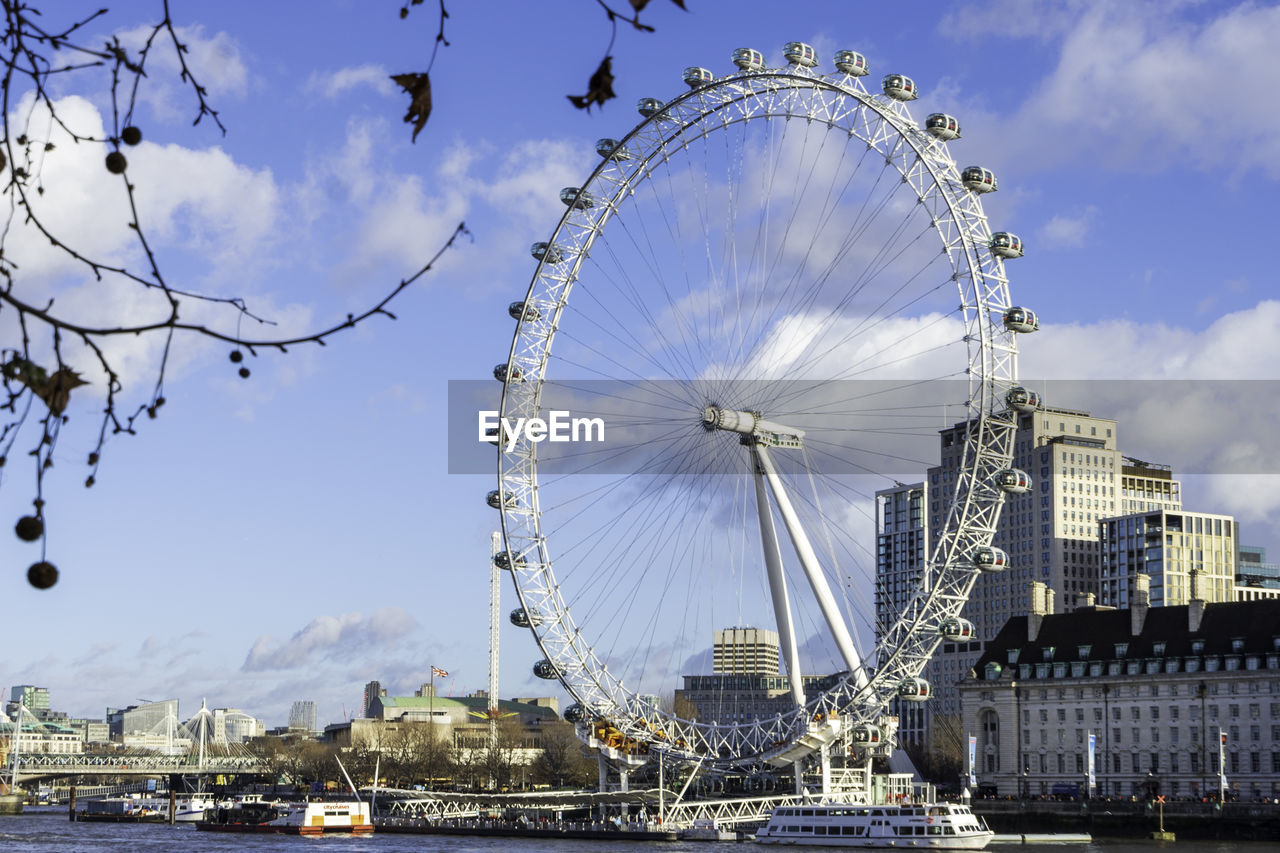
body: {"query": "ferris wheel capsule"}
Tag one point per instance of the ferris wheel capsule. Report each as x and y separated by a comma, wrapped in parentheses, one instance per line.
(546, 669)
(1019, 319)
(748, 59)
(575, 713)
(900, 87)
(1013, 480)
(866, 734)
(979, 180)
(989, 559)
(508, 373)
(521, 618)
(852, 63)
(799, 53)
(548, 252)
(497, 499)
(577, 198)
(648, 106)
(914, 690)
(1022, 399)
(611, 149)
(1004, 244)
(502, 560)
(942, 126)
(492, 435)
(520, 311)
(956, 629)
(695, 76)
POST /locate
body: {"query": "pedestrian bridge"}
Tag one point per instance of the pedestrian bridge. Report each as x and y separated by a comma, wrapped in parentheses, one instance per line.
(52, 766)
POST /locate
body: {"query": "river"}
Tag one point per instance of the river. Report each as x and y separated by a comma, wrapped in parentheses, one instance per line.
(51, 832)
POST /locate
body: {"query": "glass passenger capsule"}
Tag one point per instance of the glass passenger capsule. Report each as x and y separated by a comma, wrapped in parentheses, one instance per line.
(748, 59)
(695, 76)
(502, 560)
(979, 180)
(865, 734)
(496, 499)
(648, 106)
(956, 630)
(1013, 480)
(1018, 319)
(914, 690)
(988, 559)
(577, 197)
(611, 149)
(504, 373)
(852, 63)
(491, 435)
(523, 619)
(546, 669)
(1022, 399)
(900, 87)
(799, 53)
(942, 126)
(546, 251)
(1005, 245)
(519, 311)
(575, 713)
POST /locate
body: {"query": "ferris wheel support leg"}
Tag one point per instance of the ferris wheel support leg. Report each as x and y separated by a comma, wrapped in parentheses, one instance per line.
(826, 770)
(778, 586)
(812, 570)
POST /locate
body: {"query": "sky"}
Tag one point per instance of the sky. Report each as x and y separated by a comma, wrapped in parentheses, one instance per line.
(298, 533)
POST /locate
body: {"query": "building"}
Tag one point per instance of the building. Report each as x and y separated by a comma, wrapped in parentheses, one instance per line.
(34, 699)
(303, 715)
(1146, 486)
(1156, 688)
(1255, 577)
(1050, 533)
(372, 690)
(902, 543)
(35, 737)
(147, 718)
(1186, 555)
(750, 651)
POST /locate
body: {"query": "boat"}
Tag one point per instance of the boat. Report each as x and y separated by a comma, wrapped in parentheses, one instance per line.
(311, 818)
(122, 810)
(940, 826)
(705, 829)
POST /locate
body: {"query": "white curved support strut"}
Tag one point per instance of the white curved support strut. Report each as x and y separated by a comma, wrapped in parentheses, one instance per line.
(778, 585)
(812, 570)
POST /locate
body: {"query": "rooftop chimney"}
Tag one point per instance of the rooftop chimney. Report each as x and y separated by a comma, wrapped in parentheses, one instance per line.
(1195, 612)
(1140, 603)
(1041, 605)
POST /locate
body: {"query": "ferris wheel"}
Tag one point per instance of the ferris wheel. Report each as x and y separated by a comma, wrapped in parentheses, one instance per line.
(763, 300)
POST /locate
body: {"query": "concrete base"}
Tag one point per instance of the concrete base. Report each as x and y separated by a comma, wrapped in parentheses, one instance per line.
(1161, 835)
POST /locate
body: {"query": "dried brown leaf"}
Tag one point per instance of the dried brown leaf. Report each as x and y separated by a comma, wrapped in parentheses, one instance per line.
(599, 87)
(419, 88)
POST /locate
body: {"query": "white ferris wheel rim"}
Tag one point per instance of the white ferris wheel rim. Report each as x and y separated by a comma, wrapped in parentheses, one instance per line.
(927, 168)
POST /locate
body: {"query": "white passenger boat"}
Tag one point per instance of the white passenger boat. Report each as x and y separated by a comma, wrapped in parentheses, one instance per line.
(942, 826)
(311, 818)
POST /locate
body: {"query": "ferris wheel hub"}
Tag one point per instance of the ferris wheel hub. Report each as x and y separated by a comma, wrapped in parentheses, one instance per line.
(751, 424)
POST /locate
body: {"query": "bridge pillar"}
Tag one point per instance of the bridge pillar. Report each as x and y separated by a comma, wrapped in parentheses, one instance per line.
(173, 798)
(71, 808)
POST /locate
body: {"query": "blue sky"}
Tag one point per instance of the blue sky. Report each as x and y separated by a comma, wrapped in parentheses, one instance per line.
(297, 534)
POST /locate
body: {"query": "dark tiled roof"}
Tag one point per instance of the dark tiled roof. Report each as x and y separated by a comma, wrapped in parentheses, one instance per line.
(1256, 622)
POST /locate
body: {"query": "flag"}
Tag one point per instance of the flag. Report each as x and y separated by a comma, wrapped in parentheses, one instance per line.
(435, 670)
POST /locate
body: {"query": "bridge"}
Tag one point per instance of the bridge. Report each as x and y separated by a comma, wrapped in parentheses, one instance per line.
(51, 766)
(442, 805)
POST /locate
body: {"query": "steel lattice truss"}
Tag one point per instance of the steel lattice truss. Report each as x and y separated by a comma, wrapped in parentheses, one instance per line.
(885, 127)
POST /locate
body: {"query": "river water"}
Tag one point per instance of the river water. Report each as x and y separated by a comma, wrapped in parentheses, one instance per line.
(51, 832)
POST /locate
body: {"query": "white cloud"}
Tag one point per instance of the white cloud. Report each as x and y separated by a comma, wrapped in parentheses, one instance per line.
(335, 83)
(1067, 232)
(326, 636)
(214, 61)
(1139, 86)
